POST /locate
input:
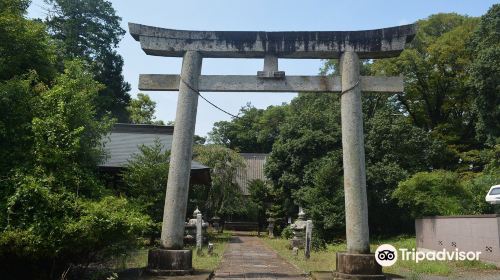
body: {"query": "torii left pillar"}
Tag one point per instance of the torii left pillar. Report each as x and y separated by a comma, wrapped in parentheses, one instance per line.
(171, 258)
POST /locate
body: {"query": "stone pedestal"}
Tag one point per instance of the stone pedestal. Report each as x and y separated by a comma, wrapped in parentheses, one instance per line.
(357, 266)
(169, 262)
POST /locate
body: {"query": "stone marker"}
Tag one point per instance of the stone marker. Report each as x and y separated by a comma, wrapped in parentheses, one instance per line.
(309, 227)
(270, 227)
(216, 224)
(210, 248)
(199, 233)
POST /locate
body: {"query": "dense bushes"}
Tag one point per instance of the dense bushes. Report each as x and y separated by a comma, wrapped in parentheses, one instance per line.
(432, 193)
(55, 212)
(48, 232)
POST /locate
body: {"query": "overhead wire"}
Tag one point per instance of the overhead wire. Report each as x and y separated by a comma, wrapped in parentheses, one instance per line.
(208, 101)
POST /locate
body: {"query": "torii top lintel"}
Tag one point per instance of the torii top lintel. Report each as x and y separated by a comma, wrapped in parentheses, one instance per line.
(377, 43)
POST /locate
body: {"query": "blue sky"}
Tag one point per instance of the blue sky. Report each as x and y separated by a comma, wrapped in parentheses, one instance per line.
(257, 15)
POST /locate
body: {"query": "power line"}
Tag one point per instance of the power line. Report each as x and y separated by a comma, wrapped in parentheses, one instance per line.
(208, 101)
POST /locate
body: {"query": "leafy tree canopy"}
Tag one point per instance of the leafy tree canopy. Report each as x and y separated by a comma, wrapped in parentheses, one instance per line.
(485, 75)
(90, 30)
(142, 110)
(18, 33)
(254, 131)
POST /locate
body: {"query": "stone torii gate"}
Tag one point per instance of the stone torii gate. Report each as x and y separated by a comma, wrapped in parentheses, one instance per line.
(193, 46)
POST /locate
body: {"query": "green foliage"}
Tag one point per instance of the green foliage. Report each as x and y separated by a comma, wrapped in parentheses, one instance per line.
(48, 232)
(24, 44)
(437, 94)
(67, 136)
(287, 233)
(17, 99)
(485, 75)
(90, 30)
(87, 29)
(478, 187)
(261, 196)
(438, 192)
(146, 176)
(254, 131)
(142, 110)
(53, 209)
(223, 197)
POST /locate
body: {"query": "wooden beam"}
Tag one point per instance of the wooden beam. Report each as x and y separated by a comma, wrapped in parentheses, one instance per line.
(237, 83)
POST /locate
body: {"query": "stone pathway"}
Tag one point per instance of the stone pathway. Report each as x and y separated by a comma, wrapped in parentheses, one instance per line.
(248, 258)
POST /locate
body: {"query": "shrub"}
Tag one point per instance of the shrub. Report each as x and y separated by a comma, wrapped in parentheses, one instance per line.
(287, 233)
(49, 232)
(432, 193)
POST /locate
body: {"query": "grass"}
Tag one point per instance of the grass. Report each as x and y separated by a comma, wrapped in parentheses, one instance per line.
(322, 260)
(202, 261)
(325, 260)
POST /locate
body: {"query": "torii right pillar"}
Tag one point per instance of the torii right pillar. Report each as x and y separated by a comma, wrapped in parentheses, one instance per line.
(357, 262)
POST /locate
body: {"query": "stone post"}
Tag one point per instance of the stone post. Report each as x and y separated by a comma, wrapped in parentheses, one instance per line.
(307, 251)
(180, 158)
(270, 227)
(199, 232)
(353, 151)
(216, 223)
(171, 258)
(357, 262)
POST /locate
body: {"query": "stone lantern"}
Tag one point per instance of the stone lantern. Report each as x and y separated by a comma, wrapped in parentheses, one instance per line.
(299, 230)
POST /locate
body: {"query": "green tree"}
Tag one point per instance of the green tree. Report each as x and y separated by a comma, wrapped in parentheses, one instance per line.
(55, 213)
(254, 131)
(485, 75)
(224, 196)
(24, 44)
(438, 192)
(261, 197)
(67, 135)
(437, 94)
(146, 176)
(142, 110)
(90, 30)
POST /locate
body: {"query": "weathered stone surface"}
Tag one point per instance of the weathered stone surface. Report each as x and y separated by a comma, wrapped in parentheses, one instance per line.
(199, 232)
(307, 247)
(237, 83)
(357, 266)
(353, 153)
(377, 43)
(270, 227)
(321, 275)
(299, 231)
(172, 233)
(169, 262)
(247, 257)
(364, 264)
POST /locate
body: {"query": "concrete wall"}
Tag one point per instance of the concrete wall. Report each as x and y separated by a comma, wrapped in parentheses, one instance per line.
(465, 233)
